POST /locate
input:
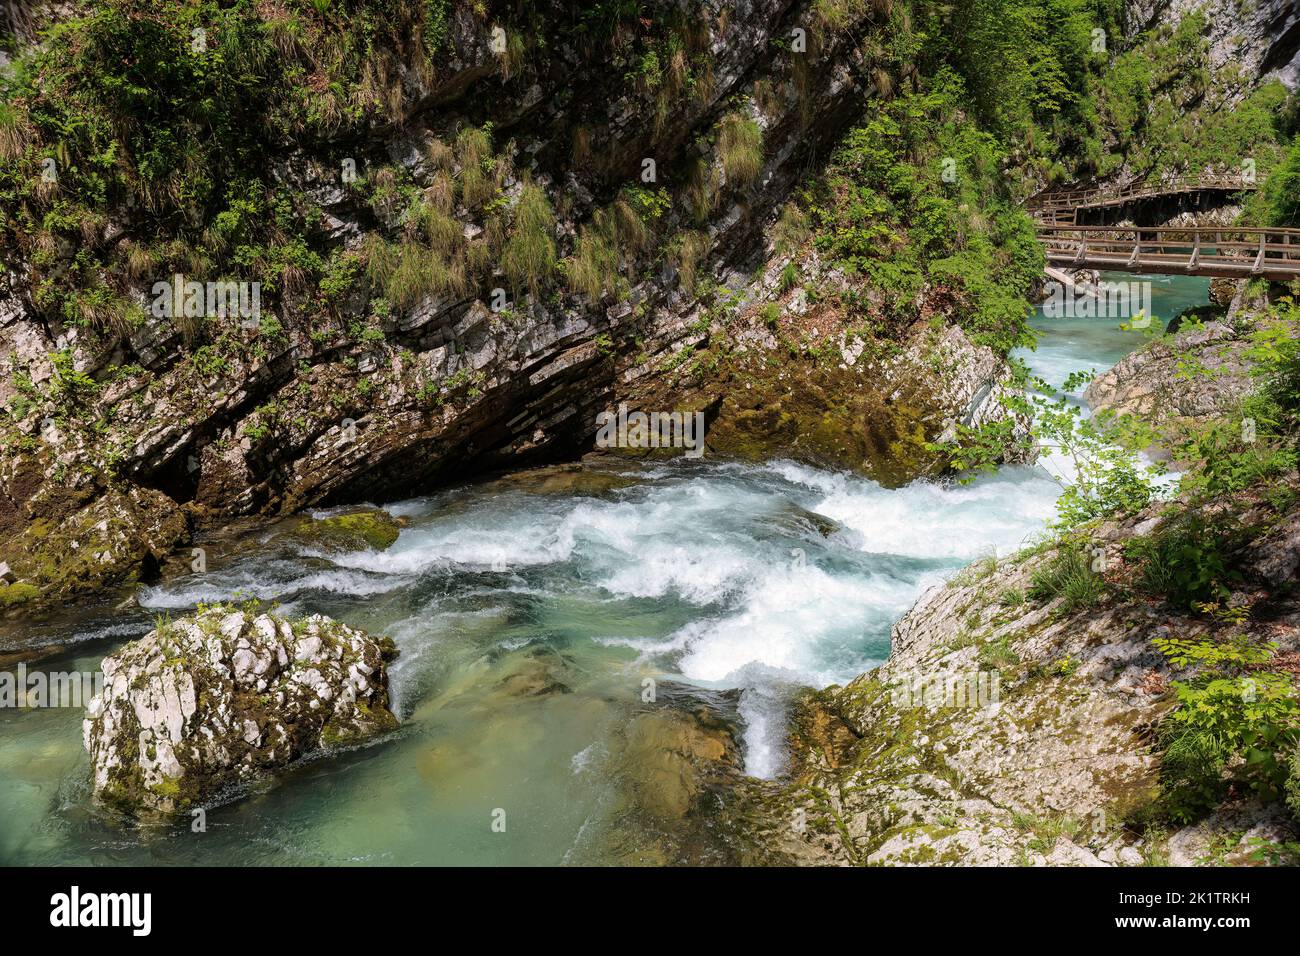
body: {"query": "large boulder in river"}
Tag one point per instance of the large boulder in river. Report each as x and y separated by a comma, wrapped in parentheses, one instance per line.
(225, 697)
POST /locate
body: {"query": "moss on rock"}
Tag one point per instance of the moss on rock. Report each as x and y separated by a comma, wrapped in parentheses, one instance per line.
(369, 530)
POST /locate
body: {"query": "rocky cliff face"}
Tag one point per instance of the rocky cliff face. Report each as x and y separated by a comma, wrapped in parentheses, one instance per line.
(1150, 382)
(1262, 39)
(1014, 725)
(124, 445)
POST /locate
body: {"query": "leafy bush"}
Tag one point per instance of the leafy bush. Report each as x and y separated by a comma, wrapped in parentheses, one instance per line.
(1188, 561)
(915, 195)
(1292, 785)
(1234, 723)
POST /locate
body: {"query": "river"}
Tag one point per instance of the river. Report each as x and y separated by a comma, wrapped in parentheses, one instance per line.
(531, 617)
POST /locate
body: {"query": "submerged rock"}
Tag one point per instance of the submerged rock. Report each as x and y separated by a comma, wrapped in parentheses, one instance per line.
(671, 756)
(226, 696)
(574, 479)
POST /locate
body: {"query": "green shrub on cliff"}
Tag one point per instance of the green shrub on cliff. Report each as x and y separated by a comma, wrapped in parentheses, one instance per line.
(1068, 575)
(1278, 201)
(1188, 561)
(915, 194)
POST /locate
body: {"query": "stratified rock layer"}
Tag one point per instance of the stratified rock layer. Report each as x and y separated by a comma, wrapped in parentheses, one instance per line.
(225, 697)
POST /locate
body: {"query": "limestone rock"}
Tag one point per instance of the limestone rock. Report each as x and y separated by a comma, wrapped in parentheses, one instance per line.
(1004, 729)
(1147, 382)
(116, 538)
(226, 697)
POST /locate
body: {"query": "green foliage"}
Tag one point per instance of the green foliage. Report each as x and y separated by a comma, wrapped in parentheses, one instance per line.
(1102, 478)
(1292, 785)
(915, 195)
(70, 384)
(998, 655)
(979, 449)
(1188, 561)
(1236, 654)
(172, 115)
(1234, 722)
(1160, 108)
(1278, 201)
(1067, 575)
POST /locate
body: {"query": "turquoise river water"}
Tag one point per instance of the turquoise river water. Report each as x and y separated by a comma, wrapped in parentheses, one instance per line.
(716, 579)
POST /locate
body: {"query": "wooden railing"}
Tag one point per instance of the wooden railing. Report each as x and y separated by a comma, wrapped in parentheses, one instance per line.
(1229, 252)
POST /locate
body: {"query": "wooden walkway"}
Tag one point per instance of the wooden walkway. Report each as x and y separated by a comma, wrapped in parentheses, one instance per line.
(1229, 252)
(1050, 204)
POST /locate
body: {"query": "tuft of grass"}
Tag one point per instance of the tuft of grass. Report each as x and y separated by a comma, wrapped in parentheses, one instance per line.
(976, 571)
(439, 230)
(420, 273)
(381, 259)
(11, 133)
(998, 655)
(1011, 597)
(529, 254)
(440, 155)
(1047, 830)
(474, 157)
(592, 270)
(692, 251)
(740, 147)
(791, 229)
(1068, 576)
(405, 273)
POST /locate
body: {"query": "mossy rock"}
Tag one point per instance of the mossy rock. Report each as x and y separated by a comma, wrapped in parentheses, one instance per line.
(176, 725)
(119, 538)
(370, 530)
(20, 592)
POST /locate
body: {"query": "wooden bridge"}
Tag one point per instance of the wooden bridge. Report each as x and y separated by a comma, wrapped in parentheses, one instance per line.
(1231, 252)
